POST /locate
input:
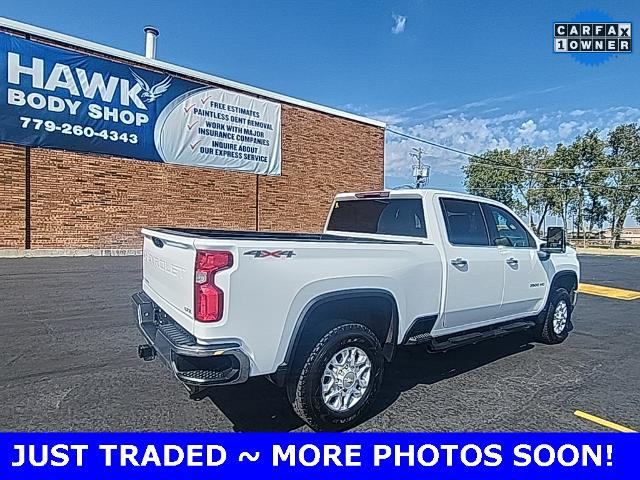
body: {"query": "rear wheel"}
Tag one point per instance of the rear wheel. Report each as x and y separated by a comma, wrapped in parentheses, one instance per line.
(339, 378)
(556, 325)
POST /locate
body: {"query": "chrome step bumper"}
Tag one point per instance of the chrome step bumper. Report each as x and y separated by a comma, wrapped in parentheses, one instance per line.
(192, 363)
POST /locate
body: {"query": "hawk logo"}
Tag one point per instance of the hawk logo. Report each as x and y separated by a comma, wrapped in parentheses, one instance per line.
(151, 94)
(274, 253)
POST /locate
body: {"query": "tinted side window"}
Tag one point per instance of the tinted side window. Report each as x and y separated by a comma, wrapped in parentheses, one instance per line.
(465, 222)
(505, 229)
(401, 216)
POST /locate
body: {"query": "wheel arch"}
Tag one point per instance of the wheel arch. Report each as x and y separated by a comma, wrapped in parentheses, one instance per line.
(564, 279)
(375, 308)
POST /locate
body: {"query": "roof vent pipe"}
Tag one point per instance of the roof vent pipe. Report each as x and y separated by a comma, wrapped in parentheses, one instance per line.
(150, 41)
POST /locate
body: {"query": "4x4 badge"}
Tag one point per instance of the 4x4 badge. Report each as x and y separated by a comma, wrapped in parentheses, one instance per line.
(274, 253)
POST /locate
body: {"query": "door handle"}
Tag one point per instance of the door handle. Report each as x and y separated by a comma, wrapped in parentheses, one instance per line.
(512, 261)
(459, 262)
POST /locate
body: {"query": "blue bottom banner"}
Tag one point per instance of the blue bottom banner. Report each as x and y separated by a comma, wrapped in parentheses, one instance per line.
(98, 456)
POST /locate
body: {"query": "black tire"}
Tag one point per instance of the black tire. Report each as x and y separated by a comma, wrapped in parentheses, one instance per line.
(546, 332)
(305, 386)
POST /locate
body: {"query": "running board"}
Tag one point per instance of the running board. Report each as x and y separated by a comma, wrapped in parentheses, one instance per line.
(441, 344)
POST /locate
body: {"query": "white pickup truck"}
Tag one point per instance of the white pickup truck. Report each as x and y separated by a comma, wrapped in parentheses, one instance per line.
(320, 314)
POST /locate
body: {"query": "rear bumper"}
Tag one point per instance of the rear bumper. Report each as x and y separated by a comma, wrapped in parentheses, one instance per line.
(192, 363)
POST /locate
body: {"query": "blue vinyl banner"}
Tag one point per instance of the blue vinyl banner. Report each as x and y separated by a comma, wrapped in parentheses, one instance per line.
(482, 456)
(58, 98)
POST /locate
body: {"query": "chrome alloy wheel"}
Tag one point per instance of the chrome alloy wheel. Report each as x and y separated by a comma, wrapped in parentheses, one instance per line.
(345, 379)
(560, 316)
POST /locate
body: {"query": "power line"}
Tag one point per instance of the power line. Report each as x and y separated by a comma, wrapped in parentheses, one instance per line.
(537, 170)
(433, 144)
(462, 152)
(547, 188)
(548, 172)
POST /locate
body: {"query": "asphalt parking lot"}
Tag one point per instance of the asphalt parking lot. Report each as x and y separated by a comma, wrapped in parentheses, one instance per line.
(68, 356)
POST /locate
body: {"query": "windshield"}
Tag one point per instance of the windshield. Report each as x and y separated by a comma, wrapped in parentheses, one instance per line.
(385, 216)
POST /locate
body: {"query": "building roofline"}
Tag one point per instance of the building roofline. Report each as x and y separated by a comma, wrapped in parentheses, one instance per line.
(205, 77)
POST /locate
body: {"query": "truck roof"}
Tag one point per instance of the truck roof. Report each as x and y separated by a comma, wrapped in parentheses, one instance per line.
(409, 192)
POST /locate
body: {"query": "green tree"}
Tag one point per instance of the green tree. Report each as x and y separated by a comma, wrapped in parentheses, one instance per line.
(588, 152)
(563, 185)
(513, 179)
(596, 211)
(489, 178)
(530, 182)
(620, 184)
(592, 179)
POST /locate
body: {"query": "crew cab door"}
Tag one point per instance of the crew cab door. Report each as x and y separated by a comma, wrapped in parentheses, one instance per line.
(475, 268)
(525, 280)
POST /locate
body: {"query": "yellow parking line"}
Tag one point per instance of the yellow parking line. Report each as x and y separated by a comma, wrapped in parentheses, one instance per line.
(609, 292)
(603, 422)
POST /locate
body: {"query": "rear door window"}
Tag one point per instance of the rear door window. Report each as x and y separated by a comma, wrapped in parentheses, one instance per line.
(384, 216)
(465, 222)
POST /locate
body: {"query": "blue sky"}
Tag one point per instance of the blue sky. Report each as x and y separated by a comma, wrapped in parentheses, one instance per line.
(470, 74)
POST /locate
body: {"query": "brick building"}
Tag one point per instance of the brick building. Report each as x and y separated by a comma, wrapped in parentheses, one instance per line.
(57, 199)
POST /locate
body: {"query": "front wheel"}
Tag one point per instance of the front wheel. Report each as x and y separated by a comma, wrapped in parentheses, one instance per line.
(339, 379)
(557, 318)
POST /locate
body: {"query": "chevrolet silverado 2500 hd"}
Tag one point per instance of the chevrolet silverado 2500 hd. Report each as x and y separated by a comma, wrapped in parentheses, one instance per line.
(320, 314)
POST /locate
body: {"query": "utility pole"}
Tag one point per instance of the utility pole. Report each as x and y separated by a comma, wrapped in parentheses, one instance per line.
(584, 231)
(420, 171)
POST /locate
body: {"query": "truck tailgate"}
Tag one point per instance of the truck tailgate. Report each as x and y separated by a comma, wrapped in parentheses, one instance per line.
(167, 271)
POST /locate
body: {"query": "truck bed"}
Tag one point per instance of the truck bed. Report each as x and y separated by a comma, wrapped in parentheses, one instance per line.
(263, 296)
(282, 236)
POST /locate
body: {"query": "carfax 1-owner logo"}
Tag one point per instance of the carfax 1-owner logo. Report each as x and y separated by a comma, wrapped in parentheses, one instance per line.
(592, 37)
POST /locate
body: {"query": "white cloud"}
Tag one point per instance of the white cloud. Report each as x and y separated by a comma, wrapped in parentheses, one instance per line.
(527, 129)
(478, 130)
(467, 134)
(565, 129)
(477, 134)
(399, 22)
(427, 111)
(389, 118)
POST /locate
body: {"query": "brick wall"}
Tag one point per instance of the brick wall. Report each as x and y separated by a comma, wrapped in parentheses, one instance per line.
(12, 196)
(321, 155)
(85, 201)
(88, 201)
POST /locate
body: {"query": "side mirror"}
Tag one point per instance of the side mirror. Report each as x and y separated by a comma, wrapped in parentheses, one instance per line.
(556, 241)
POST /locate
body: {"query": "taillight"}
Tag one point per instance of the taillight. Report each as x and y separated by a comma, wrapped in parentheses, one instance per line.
(208, 298)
